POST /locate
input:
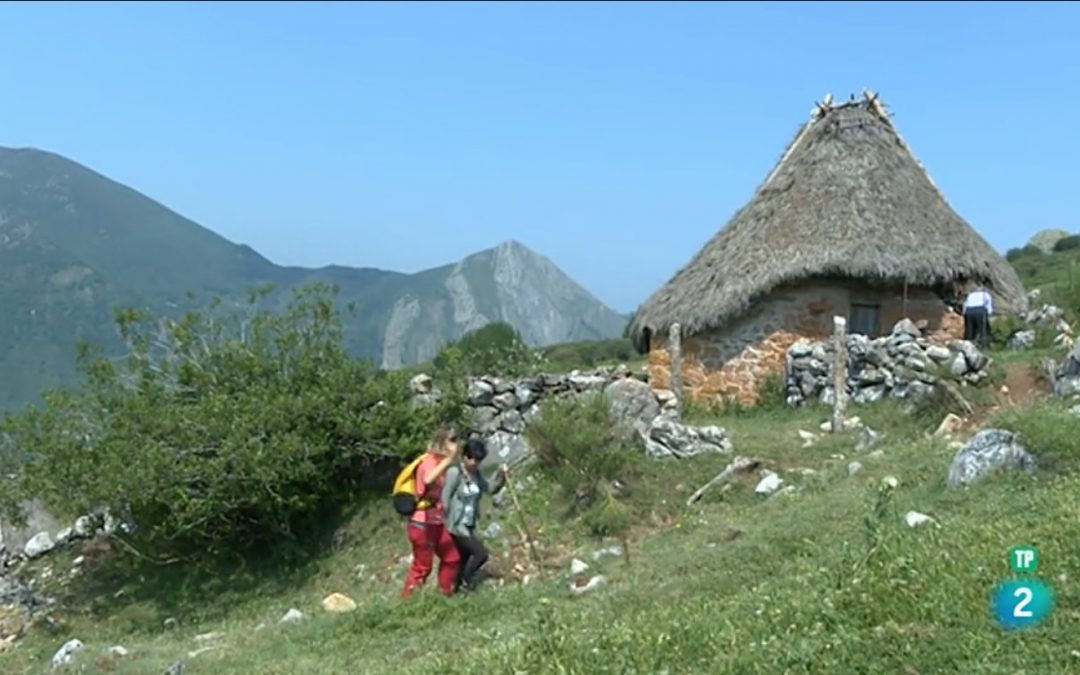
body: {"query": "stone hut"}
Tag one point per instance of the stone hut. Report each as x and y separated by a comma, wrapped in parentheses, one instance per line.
(847, 224)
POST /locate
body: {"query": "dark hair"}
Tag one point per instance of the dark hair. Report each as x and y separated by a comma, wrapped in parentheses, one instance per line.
(475, 449)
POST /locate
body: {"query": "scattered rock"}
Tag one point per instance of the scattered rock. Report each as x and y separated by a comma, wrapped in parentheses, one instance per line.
(118, 651)
(669, 438)
(988, 451)
(769, 483)
(292, 616)
(65, 656)
(854, 468)
(614, 550)
(949, 426)
(338, 603)
(1022, 339)
(868, 438)
(593, 584)
(578, 567)
(40, 544)
(421, 384)
(914, 519)
(177, 668)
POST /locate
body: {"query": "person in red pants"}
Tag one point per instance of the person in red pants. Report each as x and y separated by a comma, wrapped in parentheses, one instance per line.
(427, 533)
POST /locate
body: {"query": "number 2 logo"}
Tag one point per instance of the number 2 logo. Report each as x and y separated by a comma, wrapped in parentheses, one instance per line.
(1019, 611)
(1020, 604)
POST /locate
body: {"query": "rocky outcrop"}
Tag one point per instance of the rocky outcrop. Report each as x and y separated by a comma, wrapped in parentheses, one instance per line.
(1066, 375)
(508, 283)
(900, 365)
(987, 452)
(500, 410)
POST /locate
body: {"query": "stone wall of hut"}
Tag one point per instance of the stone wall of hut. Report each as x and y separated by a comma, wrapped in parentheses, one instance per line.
(733, 363)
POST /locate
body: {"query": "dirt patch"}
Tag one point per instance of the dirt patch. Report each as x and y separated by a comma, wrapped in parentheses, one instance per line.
(1023, 386)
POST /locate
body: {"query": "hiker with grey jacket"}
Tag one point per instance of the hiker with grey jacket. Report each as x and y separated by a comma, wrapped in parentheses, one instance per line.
(461, 503)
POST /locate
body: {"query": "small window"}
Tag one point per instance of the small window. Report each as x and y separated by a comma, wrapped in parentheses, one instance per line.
(865, 319)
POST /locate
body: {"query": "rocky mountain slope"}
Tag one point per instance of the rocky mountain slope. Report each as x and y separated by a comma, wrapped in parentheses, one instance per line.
(75, 245)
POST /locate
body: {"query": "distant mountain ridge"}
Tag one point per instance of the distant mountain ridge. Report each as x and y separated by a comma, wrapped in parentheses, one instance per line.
(75, 244)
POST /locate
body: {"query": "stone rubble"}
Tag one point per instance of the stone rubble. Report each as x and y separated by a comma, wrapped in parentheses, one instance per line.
(1045, 316)
(902, 365)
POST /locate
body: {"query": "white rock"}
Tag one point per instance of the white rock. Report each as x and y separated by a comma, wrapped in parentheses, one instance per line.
(84, 527)
(890, 482)
(594, 583)
(65, 655)
(914, 519)
(292, 616)
(854, 468)
(40, 544)
(769, 484)
(118, 650)
(207, 637)
(614, 549)
(578, 567)
(63, 535)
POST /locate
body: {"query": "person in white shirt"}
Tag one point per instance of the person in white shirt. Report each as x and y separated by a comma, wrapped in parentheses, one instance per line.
(978, 306)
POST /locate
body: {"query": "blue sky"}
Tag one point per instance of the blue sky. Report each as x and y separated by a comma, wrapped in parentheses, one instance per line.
(615, 138)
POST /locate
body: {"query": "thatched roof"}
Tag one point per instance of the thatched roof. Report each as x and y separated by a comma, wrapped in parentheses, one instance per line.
(847, 199)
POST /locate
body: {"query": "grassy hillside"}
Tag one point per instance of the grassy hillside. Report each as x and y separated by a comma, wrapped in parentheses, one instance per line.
(828, 578)
(1056, 273)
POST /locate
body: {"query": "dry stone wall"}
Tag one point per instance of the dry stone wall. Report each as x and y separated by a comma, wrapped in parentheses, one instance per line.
(903, 364)
(500, 409)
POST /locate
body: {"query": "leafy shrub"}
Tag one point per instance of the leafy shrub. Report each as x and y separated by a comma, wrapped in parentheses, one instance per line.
(1029, 251)
(588, 354)
(579, 445)
(1067, 243)
(496, 348)
(217, 436)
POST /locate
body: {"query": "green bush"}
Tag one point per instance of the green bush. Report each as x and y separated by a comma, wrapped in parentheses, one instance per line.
(579, 446)
(494, 349)
(1029, 251)
(588, 354)
(1067, 243)
(214, 435)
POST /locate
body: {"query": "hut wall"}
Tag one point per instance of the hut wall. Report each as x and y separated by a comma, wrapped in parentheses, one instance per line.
(734, 362)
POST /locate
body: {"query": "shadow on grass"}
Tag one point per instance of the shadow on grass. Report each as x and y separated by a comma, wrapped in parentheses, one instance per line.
(129, 590)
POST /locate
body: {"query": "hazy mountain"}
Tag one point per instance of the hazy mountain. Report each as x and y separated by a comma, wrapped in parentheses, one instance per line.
(74, 245)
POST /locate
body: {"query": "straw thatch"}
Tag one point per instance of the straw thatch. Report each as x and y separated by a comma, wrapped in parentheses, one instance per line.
(847, 200)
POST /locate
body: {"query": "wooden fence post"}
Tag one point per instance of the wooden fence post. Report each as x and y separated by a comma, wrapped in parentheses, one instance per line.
(839, 373)
(675, 349)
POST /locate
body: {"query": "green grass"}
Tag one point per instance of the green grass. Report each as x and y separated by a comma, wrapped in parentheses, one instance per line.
(738, 583)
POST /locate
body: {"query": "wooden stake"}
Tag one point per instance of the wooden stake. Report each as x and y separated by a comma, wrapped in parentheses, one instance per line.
(675, 348)
(839, 373)
(740, 465)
